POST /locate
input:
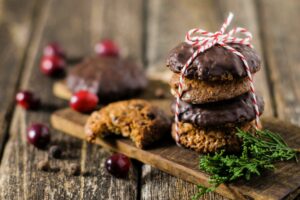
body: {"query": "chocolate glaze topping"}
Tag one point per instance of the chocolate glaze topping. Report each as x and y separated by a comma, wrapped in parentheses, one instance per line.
(110, 78)
(220, 114)
(215, 64)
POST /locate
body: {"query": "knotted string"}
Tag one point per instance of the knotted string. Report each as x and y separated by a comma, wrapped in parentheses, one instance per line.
(204, 40)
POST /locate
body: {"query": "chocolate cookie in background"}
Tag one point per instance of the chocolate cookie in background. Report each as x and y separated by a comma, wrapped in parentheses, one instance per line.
(111, 78)
(215, 98)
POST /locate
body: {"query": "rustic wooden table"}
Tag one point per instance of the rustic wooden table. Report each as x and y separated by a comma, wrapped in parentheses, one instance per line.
(146, 30)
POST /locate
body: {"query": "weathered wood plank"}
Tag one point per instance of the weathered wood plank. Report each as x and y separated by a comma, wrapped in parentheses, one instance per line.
(281, 41)
(167, 25)
(74, 25)
(120, 21)
(183, 163)
(15, 29)
(246, 16)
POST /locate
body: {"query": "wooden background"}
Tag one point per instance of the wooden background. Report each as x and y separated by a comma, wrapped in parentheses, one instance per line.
(146, 30)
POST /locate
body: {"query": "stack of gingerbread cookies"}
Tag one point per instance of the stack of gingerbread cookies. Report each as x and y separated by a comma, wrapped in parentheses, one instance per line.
(215, 100)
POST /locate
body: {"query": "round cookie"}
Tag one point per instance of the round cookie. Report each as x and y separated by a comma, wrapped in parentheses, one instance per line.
(214, 64)
(209, 140)
(199, 92)
(138, 119)
(110, 78)
(227, 113)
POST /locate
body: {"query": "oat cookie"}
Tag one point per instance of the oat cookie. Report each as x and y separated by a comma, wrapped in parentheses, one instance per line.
(210, 140)
(137, 119)
(199, 92)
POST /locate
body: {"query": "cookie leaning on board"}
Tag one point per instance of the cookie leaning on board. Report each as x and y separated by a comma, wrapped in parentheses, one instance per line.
(137, 119)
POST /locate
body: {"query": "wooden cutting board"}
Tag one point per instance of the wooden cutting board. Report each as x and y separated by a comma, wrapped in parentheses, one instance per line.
(283, 183)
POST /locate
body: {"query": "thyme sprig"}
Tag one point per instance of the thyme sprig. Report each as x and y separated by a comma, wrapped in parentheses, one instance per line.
(259, 152)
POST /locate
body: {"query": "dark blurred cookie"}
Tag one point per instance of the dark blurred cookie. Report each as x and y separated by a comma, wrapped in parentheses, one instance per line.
(209, 140)
(199, 92)
(143, 122)
(227, 113)
(214, 64)
(110, 78)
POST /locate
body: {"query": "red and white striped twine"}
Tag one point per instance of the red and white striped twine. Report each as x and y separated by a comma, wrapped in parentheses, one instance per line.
(205, 40)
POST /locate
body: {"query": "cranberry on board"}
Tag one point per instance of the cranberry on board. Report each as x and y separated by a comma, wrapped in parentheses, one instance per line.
(84, 101)
(54, 49)
(52, 65)
(106, 48)
(38, 135)
(118, 165)
(27, 100)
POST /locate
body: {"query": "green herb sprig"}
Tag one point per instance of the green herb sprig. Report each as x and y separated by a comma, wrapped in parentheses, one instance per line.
(259, 152)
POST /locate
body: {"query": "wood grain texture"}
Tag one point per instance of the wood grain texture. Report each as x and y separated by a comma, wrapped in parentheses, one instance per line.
(61, 90)
(77, 26)
(73, 26)
(168, 22)
(16, 25)
(281, 41)
(183, 163)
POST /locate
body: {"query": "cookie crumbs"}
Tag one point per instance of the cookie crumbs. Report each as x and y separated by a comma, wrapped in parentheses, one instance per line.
(55, 151)
(73, 169)
(43, 165)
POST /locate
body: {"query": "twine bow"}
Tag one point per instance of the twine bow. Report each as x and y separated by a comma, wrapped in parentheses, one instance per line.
(205, 40)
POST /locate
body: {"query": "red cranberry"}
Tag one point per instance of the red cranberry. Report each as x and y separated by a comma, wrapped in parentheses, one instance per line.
(84, 101)
(118, 165)
(38, 135)
(107, 48)
(54, 49)
(27, 100)
(52, 65)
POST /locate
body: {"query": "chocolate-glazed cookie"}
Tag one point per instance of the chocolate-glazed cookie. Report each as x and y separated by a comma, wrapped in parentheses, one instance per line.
(214, 64)
(110, 78)
(200, 92)
(227, 113)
